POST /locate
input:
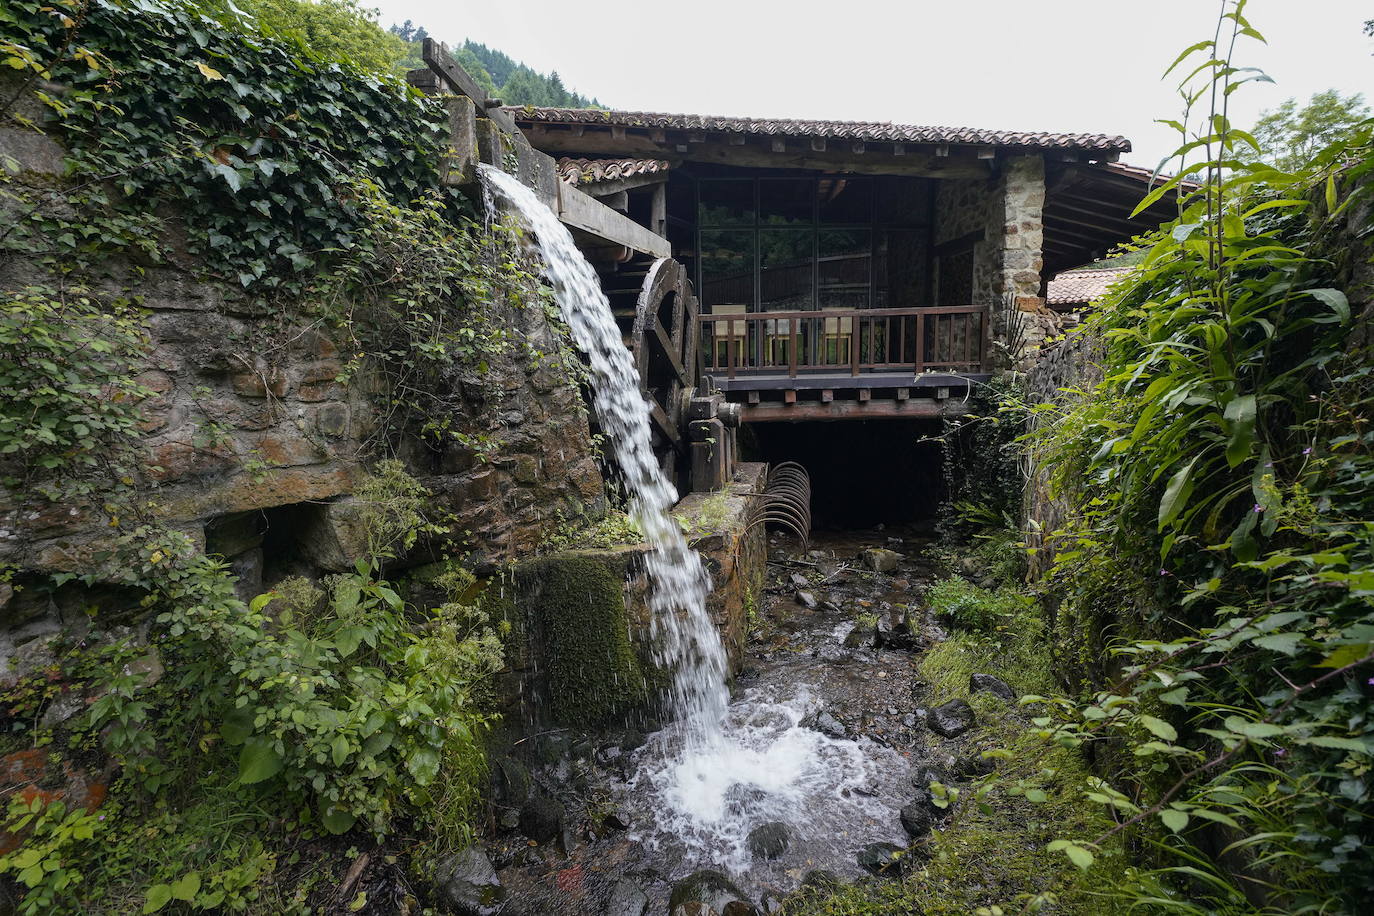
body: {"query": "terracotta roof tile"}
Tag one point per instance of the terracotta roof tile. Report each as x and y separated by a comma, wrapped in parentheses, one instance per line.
(1080, 287)
(590, 171)
(855, 130)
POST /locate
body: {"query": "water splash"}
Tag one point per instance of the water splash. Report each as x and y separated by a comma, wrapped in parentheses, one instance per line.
(685, 640)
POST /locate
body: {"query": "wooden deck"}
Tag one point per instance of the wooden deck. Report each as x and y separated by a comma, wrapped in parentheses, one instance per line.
(912, 363)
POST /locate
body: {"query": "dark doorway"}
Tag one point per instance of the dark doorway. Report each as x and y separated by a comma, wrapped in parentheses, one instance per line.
(863, 472)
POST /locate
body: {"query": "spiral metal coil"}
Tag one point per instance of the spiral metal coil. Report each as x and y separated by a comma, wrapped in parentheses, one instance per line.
(786, 500)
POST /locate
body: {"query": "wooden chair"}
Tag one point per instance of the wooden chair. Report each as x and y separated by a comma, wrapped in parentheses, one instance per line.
(723, 333)
(837, 337)
(778, 334)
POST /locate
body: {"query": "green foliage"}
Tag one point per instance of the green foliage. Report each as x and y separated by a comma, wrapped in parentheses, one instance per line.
(973, 608)
(252, 145)
(982, 463)
(1290, 137)
(340, 30)
(611, 530)
(518, 84)
(1218, 559)
(68, 368)
(314, 708)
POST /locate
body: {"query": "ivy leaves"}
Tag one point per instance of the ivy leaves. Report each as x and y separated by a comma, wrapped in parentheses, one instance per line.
(251, 141)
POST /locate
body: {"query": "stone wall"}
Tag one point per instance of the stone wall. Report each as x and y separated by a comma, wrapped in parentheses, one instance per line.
(254, 445)
(1059, 369)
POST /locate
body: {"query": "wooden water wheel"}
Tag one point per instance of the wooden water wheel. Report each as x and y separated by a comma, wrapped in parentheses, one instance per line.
(658, 320)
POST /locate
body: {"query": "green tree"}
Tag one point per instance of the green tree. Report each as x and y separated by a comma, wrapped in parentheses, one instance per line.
(1290, 136)
(336, 29)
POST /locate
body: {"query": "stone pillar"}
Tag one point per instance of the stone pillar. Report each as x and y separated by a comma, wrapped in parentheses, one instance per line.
(1024, 314)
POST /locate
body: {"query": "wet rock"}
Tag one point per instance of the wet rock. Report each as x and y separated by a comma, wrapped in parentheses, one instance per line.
(609, 754)
(541, 818)
(618, 819)
(883, 859)
(768, 841)
(626, 899)
(511, 781)
(881, 560)
(799, 580)
(710, 889)
(467, 882)
(509, 820)
(826, 724)
(917, 818)
(882, 632)
(909, 720)
(861, 637)
(951, 719)
(770, 903)
(993, 685)
(922, 776)
(972, 766)
(807, 600)
(830, 606)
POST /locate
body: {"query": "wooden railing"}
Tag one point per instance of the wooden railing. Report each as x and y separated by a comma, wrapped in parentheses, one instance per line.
(940, 339)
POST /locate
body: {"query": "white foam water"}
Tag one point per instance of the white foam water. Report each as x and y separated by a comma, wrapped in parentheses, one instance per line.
(686, 642)
(701, 804)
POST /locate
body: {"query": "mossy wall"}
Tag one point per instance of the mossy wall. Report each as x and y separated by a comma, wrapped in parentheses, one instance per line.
(577, 636)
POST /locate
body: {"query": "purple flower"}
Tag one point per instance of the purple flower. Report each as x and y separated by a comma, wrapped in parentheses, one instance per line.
(1258, 507)
(1279, 752)
(1370, 682)
(1307, 451)
(1164, 572)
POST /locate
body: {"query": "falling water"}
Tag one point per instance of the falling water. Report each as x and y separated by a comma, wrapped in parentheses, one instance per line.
(687, 643)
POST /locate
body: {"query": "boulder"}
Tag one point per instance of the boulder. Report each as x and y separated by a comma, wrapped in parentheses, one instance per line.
(972, 766)
(768, 841)
(541, 818)
(882, 859)
(626, 899)
(467, 883)
(807, 600)
(799, 580)
(951, 719)
(881, 560)
(826, 724)
(861, 637)
(711, 890)
(917, 818)
(993, 685)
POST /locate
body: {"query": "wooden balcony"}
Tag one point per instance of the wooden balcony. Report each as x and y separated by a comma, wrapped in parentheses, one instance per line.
(838, 364)
(944, 339)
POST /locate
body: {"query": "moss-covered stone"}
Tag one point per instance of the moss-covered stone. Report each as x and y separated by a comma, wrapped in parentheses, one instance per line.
(574, 606)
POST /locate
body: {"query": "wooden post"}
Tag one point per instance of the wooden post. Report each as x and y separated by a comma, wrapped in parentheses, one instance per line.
(658, 210)
(857, 339)
(920, 343)
(792, 347)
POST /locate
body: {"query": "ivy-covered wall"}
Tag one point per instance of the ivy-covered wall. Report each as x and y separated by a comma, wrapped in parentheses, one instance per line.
(234, 278)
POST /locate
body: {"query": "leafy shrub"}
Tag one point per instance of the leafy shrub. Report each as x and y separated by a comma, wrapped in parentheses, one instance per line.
(973, 608)
(1216, 564)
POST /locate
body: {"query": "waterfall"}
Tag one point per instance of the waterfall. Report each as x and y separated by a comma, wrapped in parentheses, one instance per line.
(685, 641)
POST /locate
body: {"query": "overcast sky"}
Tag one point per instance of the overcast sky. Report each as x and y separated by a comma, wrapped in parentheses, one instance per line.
(1064, 65)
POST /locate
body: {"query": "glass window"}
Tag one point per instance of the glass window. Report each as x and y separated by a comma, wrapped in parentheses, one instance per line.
(786, 260)
(727, 203)
(727, 267)
(845, 200)
(903, 201)
(844, 267)
(787, 201)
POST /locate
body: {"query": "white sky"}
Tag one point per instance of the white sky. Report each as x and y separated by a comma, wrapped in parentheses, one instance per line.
(1064, 65)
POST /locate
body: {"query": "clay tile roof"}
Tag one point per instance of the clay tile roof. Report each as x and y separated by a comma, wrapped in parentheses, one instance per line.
(590, 171)
(854, 130)
(1075, 287)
